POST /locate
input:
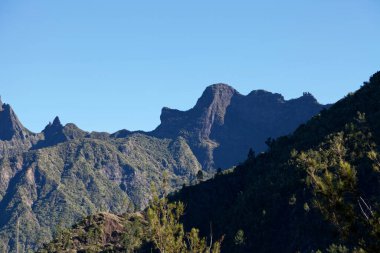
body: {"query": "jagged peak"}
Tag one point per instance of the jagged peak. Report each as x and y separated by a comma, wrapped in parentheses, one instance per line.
(53, 127)
(57, 121)
(9, 123)
(307, 96)
(266, 94)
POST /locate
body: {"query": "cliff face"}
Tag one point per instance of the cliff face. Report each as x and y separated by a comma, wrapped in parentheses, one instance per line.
(14, 137)
(210, 109)
(224, 124)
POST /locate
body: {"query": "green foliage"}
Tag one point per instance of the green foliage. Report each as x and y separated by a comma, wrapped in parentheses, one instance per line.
(336, 187)
(63, 183)
(239, 238)
(134, 235)
(337, 249)
(306, 207)
(167, 232)
(333, 181)
(165, 229)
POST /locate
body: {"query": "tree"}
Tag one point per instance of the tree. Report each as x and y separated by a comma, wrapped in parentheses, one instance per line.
(239, 238)
(133, 237)
(342, 173)
(251, 154)
(167, 233)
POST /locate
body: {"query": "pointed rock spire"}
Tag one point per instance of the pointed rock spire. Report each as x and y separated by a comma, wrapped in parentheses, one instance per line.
(10, 125)
(56, 122)
(53, 128)
(308, 97)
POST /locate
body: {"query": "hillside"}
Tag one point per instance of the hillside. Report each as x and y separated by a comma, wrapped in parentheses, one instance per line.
(317, 189)
(61, 184)
(64, 173)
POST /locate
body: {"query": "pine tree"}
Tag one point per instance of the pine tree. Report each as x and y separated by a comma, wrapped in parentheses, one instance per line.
(167, 232)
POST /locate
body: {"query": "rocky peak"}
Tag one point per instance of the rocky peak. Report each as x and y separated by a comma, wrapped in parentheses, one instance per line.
(220, 88)
(209, 109)
(213, 105)
(219, 94)
(10, 126)
(263, 95)
(57, 122)
(306, 98)
(53, 128)
(53, 134)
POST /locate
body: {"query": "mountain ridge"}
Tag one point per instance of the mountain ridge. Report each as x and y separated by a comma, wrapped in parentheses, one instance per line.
(315, 190)
(74, 173)
(204, 124)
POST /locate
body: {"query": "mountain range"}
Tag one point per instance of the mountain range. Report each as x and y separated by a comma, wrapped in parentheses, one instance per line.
(53, 178)
(316, 190)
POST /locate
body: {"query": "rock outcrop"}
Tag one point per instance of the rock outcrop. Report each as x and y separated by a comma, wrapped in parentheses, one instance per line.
(224, 124)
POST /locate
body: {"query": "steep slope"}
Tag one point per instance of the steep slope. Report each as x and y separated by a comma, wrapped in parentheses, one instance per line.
(55, 133)
(322, 180)
(14, 137)
(224, 125)
(65, 182)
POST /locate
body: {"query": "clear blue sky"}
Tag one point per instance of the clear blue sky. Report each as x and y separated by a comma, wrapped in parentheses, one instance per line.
(108, 65)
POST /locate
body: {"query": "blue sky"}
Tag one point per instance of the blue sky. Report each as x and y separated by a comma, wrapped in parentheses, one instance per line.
(109, 65)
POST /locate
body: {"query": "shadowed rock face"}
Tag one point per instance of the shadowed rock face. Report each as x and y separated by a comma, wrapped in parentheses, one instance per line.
(54, 132)
(224, 124)
(14, 137)
(210, 109)
(10, 126)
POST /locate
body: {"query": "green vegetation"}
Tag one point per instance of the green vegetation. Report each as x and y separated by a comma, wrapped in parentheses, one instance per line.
(317, 189)
(337, 173)
(158, 229)
(167, 233)
(59, 185)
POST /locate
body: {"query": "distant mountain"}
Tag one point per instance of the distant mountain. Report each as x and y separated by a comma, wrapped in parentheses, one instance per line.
(64, 173)
(14, 137)
(317, 190)
(224, 124)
